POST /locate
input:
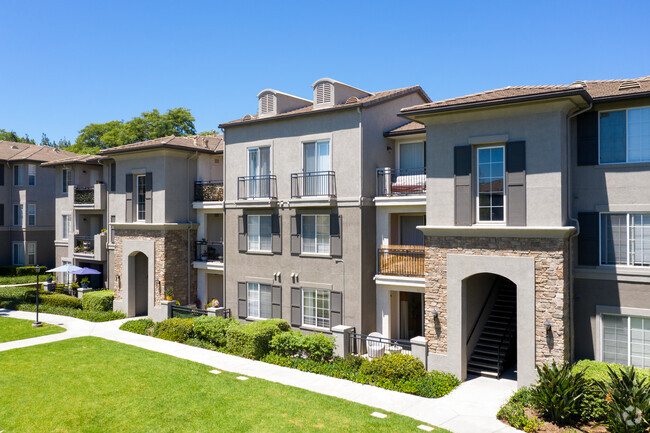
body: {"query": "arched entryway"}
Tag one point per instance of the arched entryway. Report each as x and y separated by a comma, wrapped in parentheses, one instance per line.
(140, 272)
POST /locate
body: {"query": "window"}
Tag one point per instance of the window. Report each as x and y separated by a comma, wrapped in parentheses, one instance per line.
(259, 168)
(66, 176)
(259, 233)
(31, 175)
(316, 159)
(626, 340)
(259, 301)
(112, 230)
(66, 226)
(316, 308)
(31, 253)
(625, 239)
(67, 277)
(19, 174)
(411, 155)
(141, 183)
(19, 254)
(491, 176)
(315, 234)
(18, 214)
(625, 135)
(31, 214)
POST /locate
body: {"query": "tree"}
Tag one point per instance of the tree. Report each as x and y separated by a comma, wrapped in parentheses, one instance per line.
(12, 136)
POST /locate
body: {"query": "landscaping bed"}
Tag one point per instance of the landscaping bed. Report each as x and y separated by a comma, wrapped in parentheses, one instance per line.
(19, 329)
(274, 342)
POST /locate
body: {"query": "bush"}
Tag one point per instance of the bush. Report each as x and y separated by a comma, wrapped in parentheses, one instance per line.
(559, 392)
(92, 316)
(139, 326)
(515, 415)
(7, 271)
(628, 401)
(394, 367)
(25, 270)
(435, 384)
(212, 329)
(101, 300)
(175, 329)
(58, 300)
(287, 343)
(252, 339)
(317, 347)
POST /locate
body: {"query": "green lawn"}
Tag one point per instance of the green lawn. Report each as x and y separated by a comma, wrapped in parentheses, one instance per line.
(18, 329)
(94, 385)
(20, 280)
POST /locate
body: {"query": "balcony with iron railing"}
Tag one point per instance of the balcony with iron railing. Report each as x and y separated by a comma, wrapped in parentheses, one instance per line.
(313, 184)
(91, 247)
(401, 260)
(401, 181)
(89, 197)
(257, 187)
(208, 251)
(208, 190)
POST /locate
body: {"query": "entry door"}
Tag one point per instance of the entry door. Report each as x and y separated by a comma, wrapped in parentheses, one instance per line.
(316, 161)
(410, 315)
(259, 166)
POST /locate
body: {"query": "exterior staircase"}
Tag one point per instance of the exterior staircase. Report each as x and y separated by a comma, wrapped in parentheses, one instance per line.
(496, 344)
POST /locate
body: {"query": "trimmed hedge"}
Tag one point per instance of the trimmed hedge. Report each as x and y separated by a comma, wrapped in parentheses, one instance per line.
(58, 300)
(175, 329)
(139, 326)
(252, 339)
(317, 347)
(91, 316)
(13, 271)
(101, 300)
(393, 367)
(212, 329)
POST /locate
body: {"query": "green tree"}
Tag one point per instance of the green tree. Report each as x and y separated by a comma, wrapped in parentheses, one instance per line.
(12, 136)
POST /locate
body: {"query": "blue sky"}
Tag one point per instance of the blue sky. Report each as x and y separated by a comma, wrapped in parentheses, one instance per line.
(66, 64)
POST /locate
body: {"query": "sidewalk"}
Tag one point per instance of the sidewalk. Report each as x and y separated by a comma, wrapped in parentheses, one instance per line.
(471, 408)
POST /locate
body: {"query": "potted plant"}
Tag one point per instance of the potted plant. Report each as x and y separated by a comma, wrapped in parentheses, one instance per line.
(214, 303)
(169, 293)
(48, 278)
(84, 282)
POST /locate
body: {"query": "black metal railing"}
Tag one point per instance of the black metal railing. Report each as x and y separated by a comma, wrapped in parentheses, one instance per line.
(401, 181)
(209, 251)
(402, 260)
(208, 190)
(250, 187)
(189, 313)
(504, 345)
(313, 184)
(478, 317)
(374, 347)
(84, 244)
(84, 195)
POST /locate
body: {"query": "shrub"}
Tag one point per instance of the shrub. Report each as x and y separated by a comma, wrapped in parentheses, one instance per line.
(515, 415)
(287, 343)
(252, 339)
(317, 347)
(559, 392)
(212, 329)
(101, 300)
(175, 329)
(61, 288)
(58, 300)
(92, 316)
(25, 270)
(139, 326)
(435, 384)
(7, 271)
(628, 401)
(393, 367)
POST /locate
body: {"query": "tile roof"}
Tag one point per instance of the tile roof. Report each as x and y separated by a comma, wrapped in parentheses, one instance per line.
(606, 89)
(405, 129)
(368, 101)
(12, 151)
(76, 159)
(194, 143)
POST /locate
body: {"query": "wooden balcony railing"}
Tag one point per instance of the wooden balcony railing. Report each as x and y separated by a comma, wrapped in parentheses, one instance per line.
(401, 260)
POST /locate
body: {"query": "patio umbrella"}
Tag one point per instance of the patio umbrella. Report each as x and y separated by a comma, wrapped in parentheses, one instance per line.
(65, 268)
(86, 271)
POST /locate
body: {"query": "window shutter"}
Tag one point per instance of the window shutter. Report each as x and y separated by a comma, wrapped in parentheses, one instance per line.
(324, 93)
(242, 240)
(295, 234)
(588, 138)
(129, 198)
(113, 173)
(276, 236)
(516, 183)
(336, 309)
(2, 214)
(463, 185)
(296, 306)
(276, 302)
(242, 306)
(148, 191)
(336, 246)
(2, 174)
(588, 249)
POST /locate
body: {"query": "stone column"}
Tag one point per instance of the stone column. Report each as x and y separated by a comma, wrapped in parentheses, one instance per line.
(341, 335)
(81, 291)
(420, 350)
(167, 305)
(215, 311)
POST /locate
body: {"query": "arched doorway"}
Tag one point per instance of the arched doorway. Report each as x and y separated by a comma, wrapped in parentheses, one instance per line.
(140, 272)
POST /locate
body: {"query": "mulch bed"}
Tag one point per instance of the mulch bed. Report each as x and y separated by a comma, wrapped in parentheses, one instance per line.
(549, 427)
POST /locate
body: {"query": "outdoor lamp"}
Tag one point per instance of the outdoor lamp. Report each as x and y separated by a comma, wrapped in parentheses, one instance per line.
(435, 314)
(37, 324)
(547, 324)
(159, 286)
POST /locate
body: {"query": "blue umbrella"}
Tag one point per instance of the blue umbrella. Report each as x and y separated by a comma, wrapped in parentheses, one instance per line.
(86, 271)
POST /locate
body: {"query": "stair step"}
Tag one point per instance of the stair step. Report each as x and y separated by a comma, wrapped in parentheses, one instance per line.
(485, 358)
(486, 351)
(482, 372)
(483, 365)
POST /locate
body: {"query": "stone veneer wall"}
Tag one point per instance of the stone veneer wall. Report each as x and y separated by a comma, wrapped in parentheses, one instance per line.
(170, 266)
(551, 287)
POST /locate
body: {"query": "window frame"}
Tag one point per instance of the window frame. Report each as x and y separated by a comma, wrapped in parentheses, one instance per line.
(27, 253)
(260, 286)
(13, 254)
(627, 161)
(259, 233)
(627, 240)
(477, 185)
(316, 309)
(66, 229)
(30, 207)
(398, 156)
(66, 176)
(140, 192)
(31, 178)
(21, 215)
(302, 235)
(629, 334)
(19, 180)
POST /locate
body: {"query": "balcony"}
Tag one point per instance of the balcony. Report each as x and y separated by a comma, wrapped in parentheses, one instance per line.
(209, 190)
(89, 197)
(401, 260)
(84, 195)
(257, 190)
(209, 251)
(313, 184)
(90, 247)
(401, 181)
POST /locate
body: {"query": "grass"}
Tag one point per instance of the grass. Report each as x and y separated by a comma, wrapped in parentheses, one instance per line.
(18, 329)
(93, 385)
(20, 280)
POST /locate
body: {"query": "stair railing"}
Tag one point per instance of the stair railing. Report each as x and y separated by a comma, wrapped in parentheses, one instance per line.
(480, 314)
(506, 337)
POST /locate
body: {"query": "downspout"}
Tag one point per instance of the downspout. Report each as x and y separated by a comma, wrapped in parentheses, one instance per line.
(189, 228)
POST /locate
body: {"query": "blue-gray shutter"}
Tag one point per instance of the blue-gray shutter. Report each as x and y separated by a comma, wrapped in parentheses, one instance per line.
(242, 233)
(516, 183)
(148, 192)
(242, 305)
(587, 138)
(463, 185)
(2, 174)
(295, 234)
(336, 309)
(296, 306)
(276, 302)
(276, 233)
(113, 174)
(129, 198)
(336, 245)
(588, 240)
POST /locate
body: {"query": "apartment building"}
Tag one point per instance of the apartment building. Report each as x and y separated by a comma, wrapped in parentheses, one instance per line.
(300, 220)
(27, 204)
(536, 226)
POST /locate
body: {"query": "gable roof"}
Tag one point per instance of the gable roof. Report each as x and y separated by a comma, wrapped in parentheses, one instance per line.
(89, 159)
(194, 143)
(368, 101)
(12, 151)
(407, 128)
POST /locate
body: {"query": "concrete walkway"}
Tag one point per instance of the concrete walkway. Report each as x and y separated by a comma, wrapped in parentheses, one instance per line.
(471, 408)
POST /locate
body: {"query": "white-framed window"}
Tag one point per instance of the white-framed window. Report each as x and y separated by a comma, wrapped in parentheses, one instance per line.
(141, 185)
(31, 253)
(31, 214)
(66, 226)
(18, 254)
(625, 340)
(259, 171)
(625, 239)
(66, 178)
(18, 215)
(315, 234)
(316, 308)
(259, 233)
(411, 156)
(624, 135)
(258, 300)
(67, 276)
(19, 174)
(31, 175)
(491, 183)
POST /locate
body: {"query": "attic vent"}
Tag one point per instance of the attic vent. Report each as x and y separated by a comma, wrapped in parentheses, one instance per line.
(14, 147)
(324, 93)
(267, 103)
(629, 84)
(580, 83)
(352, 100)
(248, 117)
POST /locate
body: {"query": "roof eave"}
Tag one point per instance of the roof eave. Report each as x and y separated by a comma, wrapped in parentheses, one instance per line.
(115, 150)
(614, 98)
(389, 134)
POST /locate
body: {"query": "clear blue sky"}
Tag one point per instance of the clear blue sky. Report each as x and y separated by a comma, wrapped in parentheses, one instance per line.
(66, 64)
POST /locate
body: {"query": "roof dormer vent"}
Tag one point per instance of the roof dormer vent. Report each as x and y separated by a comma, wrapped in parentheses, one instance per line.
(14, 147)
(629, 84)
(248, 117)
(267, 104)
(324, 93)
(352, 100)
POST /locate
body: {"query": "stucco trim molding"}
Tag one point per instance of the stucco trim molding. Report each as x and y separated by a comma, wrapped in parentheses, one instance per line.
(499, 231)
(160, 226)
(409, 283)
